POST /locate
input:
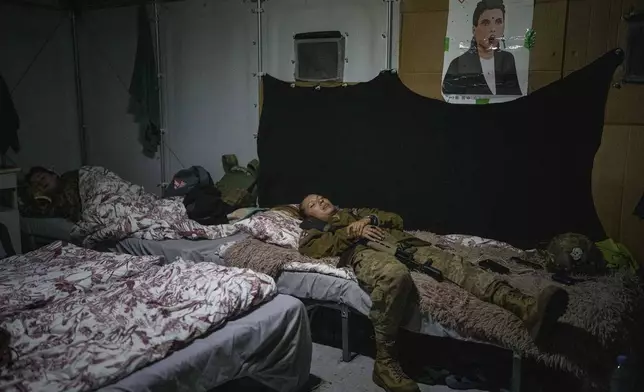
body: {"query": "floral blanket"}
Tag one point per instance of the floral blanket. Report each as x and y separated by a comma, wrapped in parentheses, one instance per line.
(80, 319)
(113, 209)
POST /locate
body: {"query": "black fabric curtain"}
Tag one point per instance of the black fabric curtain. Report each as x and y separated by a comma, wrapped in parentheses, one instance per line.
(639, 209)
(518, 171)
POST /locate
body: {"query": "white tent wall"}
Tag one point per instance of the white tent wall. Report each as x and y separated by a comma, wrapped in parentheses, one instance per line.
(211, 91)
(211, 55)
(107, 45)
(209, 62)
(45, 99)
(364, 22)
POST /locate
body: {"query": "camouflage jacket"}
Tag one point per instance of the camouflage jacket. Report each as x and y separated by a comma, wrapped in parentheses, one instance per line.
(333, 239)
(64, 202)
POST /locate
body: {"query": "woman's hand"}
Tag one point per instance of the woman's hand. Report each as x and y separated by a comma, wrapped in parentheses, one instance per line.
(355, 229)
(373, 233)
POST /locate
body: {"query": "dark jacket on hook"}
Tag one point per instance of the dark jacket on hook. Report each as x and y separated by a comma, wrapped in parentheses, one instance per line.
(9, 121)
(144, 89)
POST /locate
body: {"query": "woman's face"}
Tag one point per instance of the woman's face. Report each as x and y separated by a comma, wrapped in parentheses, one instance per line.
(491, 27)
(44, 182)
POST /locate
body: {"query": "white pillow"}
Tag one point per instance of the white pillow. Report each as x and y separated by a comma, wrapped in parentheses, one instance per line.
(273, 227)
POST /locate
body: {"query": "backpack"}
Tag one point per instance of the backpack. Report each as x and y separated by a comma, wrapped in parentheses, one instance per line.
(204, 205)
(186, 180)
(238, 186)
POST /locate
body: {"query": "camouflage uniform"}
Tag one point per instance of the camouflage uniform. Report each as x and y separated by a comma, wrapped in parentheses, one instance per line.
(381, 274)
(390, 285)
(64, 202)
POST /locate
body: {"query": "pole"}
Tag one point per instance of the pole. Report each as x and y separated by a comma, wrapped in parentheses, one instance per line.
(162, 152)
(80, 110)
(260, 60)
(389, 33)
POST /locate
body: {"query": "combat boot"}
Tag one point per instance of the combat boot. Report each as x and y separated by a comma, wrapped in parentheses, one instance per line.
(539, 314)
(387, 373)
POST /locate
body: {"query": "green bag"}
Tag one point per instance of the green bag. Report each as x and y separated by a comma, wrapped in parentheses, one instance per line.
(238, 186)
(617, 256)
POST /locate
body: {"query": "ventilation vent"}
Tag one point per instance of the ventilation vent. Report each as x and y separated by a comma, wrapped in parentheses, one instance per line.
(319, 56)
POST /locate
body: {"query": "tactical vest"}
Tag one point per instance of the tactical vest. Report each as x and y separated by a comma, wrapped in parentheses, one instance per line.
(238, 186)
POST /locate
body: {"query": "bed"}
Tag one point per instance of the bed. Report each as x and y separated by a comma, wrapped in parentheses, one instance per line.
(268, 244)
(279, 327)
(316, 289)
(218, 324)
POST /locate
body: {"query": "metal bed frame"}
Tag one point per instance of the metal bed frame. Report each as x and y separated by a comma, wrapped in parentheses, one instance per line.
(347, 356)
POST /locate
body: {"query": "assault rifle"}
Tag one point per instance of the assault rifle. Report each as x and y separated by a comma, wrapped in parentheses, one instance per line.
(406, 258)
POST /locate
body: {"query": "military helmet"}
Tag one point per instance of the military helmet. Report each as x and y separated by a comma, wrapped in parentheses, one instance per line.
(574, 253)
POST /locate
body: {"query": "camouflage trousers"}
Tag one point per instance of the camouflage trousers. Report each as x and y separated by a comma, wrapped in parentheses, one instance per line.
(391, 288)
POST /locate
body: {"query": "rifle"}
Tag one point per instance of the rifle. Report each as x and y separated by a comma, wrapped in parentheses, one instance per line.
(407, 259)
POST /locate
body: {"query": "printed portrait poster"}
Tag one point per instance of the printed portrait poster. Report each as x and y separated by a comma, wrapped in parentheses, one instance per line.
(486, 59)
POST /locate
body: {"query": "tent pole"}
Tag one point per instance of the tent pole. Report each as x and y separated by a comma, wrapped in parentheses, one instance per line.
(389, 33)
(162, 130)
(258, 11)
(80, 110)
(260, 64)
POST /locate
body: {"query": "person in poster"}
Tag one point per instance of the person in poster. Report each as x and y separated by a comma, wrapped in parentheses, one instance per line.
(484, 69)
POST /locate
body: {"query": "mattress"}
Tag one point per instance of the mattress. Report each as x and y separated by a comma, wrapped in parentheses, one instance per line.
(272, 345)
(47, 228)
(195, 250)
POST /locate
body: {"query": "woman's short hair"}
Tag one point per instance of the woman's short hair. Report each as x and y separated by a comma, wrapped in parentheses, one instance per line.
(35, 170)
(485, 5)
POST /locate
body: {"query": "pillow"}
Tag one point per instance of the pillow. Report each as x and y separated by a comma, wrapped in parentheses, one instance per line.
(292, 210)
(275, 227)
(242, 213)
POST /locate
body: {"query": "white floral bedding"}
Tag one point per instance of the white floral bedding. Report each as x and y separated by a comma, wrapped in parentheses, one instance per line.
(113, 209)
(81, 319)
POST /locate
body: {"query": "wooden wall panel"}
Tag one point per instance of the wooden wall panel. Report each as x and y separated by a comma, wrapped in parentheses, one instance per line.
(409, 6)
(632, 228)
(539, 79)
(601, 33)
(577, 35)
(608, 177)
(423, 47)
(549, 23)
(624, 105)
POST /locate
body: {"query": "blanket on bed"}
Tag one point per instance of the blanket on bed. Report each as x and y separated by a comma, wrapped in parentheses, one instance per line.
(601, 318)
(81, 319)
(113, 209)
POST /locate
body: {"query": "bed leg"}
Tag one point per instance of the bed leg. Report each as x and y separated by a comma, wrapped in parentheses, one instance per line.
(516, 372)
(346, 353)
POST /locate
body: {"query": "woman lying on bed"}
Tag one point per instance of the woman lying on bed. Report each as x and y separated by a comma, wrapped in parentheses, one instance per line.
(49, 195)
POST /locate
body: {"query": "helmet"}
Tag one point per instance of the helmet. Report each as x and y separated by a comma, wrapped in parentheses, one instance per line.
(574, 253)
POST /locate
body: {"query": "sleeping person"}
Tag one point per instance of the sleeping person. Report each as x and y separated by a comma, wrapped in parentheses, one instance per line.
(330, 231)
(49, 195)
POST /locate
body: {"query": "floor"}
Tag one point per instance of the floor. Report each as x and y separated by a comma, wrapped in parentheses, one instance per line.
(354, 376)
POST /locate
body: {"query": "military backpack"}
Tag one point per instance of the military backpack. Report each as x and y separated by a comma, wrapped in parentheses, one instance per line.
(238, 186)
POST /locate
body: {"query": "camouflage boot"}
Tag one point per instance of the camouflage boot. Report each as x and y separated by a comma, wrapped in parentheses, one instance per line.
(539, 314)
(387, 373)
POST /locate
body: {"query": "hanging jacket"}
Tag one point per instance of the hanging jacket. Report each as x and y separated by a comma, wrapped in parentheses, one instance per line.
(144, 88)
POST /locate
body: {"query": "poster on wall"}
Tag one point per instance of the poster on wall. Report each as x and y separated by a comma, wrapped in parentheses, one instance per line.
(487, 53)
